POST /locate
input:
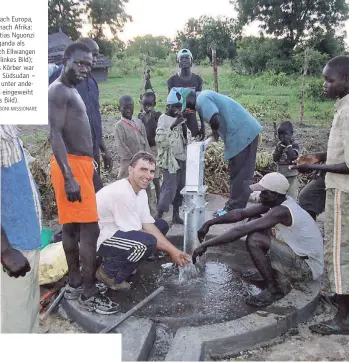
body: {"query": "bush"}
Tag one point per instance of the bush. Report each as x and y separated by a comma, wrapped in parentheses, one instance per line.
(275, 79)
(315, 90)
(126, 66)
(317, 61)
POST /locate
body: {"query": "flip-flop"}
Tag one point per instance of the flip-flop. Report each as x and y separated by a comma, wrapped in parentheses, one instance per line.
(264, 298)
(328, 328)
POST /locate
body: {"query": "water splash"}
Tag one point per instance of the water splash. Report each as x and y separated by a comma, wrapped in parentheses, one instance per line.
(188, 272)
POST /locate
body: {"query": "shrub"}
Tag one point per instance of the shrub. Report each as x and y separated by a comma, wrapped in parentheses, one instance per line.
(315, 90)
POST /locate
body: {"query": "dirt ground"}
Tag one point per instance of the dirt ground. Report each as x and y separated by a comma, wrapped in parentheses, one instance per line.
(297, 344)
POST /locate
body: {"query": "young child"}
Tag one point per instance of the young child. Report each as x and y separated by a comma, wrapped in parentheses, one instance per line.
(148, 82)
(285, 153)
(171, 141)
(150, 118)
(130, 135)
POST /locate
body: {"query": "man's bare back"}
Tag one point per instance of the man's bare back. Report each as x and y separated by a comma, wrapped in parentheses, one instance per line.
(67, 116)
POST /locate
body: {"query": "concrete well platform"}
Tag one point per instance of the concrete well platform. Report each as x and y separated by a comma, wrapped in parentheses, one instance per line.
(200, 319)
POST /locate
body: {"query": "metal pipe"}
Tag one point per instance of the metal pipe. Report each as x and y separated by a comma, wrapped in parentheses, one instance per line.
(53, 305)
(133, 310)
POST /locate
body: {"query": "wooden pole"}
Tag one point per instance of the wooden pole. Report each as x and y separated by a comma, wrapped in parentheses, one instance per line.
(305, 71)
(214, 64)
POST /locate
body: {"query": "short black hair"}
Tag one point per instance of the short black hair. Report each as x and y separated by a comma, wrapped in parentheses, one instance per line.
(72, 48)
(149, 94)
(287, 125)
(340, 64)
(125, 98)
(143, 155)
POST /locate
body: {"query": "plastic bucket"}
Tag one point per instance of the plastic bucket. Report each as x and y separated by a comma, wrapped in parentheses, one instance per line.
(46, 236)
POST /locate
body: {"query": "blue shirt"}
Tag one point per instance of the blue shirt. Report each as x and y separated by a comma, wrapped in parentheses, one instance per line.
(20, 200)
(89, 92)
(238, 128)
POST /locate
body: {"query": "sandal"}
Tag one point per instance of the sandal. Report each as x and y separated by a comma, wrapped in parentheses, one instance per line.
(264, 298)
(328, 328)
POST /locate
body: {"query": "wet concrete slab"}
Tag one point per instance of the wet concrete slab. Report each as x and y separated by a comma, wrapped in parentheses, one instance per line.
(203, 318)
(141, 330)
(224, 340)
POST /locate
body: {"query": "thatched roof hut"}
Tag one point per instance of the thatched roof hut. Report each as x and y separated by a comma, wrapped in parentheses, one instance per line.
(59, 41)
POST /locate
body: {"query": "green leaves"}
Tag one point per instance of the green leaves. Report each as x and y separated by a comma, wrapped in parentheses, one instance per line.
(293, 19)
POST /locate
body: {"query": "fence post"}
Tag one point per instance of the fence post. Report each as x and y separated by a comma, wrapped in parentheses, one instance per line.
(214, 64)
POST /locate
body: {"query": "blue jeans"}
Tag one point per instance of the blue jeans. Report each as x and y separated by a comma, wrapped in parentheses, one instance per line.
(125, 250)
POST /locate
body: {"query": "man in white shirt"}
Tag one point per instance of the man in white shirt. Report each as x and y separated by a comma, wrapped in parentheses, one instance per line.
(128, 232)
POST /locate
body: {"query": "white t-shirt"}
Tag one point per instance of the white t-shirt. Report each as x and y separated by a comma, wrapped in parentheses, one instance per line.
(303, 237)
(120, 208)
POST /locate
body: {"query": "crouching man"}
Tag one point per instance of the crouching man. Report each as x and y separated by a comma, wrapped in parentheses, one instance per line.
(128, 232)
(281, 237)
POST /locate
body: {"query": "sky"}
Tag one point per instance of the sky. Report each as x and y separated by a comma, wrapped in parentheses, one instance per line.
(164, 17)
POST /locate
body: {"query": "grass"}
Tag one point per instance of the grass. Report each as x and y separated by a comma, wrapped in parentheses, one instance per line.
(268, 97)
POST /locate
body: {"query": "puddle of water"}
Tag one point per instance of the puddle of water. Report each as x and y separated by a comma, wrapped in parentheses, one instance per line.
(215, 295)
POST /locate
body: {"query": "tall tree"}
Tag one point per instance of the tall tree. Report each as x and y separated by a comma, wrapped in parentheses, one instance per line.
(293, 19)
(200, 35)
(108, 14)
(154, 46)
(65, 15)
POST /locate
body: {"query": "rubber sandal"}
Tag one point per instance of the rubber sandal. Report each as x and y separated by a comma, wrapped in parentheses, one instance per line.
(327, 328)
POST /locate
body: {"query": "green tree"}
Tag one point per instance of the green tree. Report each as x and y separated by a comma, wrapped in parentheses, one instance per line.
(258, 54)
(200, 35)
(65, 15)
(152, 46)
(293, 19)
(328, 42)
(108, 47)
(108, 14)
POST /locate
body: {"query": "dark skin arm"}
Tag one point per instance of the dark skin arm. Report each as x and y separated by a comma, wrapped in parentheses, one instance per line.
(200, 83)
(288, 149)
(57, 110)
(106, 155)
(232, 217)
(276, 215)
(340, 168)
(214, 123)
(279, 149)
(15, 263)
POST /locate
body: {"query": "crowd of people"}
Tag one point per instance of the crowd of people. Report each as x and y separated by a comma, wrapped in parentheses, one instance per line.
(108, 229)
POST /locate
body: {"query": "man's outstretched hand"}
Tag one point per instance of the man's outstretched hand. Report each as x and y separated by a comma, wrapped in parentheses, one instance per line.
(179, 257)
(303, 168)
(15, 263)
(198, 252)
(202, 232)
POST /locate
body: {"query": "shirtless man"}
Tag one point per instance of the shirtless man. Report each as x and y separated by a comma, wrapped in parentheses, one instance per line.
(72, 179)
(89, 92)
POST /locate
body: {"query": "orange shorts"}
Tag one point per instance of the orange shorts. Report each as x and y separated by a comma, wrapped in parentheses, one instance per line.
(75, 212)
